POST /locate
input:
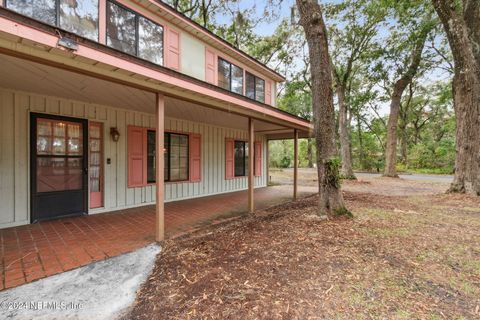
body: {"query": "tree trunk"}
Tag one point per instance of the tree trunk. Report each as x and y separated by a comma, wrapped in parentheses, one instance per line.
(309, 153)
(347, 170)
(398, 89)
(462, 29)
(331, 200)
(403, 142)
(391, 151)
(404, 112)
(360, 144)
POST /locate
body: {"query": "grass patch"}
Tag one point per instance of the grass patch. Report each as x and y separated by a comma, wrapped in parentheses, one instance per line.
(377, 214)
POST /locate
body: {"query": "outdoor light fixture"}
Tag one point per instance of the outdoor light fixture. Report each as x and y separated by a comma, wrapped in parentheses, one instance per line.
(67, 43)
(114, 134)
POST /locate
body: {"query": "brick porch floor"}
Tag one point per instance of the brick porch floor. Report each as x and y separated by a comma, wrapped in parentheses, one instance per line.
(38, 250)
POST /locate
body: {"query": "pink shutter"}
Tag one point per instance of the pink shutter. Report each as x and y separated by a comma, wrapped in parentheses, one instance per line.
(195, 157)
(268, 92)
(229, 159)
(173, 49)
(136, 157)
(258, 159)
(210, 64)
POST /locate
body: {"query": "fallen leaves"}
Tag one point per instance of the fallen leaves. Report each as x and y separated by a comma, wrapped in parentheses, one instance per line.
(400, 257)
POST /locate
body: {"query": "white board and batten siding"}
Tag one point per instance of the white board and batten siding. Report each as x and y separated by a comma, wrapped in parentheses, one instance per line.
(15, 108)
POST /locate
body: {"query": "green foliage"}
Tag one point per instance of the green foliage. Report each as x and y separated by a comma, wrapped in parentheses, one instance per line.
(332, 168)
(343, 212)
(370, 45)
(297, 99)
(281, 153)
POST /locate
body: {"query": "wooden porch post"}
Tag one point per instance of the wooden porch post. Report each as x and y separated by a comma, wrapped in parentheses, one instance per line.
(267, 162)
(295, 163)
(159, 163)
(251, 147)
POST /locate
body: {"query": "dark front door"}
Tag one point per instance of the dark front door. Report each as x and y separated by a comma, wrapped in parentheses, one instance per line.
(58, 166)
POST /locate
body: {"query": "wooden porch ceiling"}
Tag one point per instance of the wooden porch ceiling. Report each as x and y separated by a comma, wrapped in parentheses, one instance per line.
(33, 77)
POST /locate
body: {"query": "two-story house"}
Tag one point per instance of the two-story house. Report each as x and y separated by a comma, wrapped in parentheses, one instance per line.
(112, 104)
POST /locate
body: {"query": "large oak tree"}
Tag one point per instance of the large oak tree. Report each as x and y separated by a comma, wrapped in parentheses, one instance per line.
(399, 87)
(352, 34)
(461, 21)
(331, 200)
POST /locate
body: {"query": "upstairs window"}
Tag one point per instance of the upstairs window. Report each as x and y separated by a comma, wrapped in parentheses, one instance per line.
(230, 76)
(80, 17)
(43, 10)
(133, 34)
(150, 41)
(255, 87)
(121, 28)
(77, 16)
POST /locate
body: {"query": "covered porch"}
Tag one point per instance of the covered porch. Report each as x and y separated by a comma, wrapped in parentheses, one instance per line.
(34, 251)
(119, 208)
(116, 173)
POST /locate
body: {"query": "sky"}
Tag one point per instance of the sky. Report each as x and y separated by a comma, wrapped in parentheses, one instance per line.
(266, 28)
(284, 12)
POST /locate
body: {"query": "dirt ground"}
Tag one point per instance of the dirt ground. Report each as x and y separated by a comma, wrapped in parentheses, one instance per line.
(409, 252)
(380, 186)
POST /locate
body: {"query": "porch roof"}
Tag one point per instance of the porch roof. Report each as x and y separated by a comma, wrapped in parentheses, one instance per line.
(34, 41)
(50, 81)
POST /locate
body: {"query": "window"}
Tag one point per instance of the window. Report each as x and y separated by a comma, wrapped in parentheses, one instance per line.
(80, 17)
(176, 156)
(250, 85)
(151, 146)
(59, 155)
(77, 16)
(150, 41)
(121, 29)
(224, 74)
(260, 90)
(237, 79)
(95, 164)
(230, 77)
(182, 154)
(255, 87)
(241, 158)
(134, 34)
(43, 10)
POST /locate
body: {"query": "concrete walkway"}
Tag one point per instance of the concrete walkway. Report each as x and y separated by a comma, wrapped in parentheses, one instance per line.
(101, 290)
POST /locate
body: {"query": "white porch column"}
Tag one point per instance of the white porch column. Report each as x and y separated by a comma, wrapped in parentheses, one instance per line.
(295, 163)
(159, 163)
(251, 161)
